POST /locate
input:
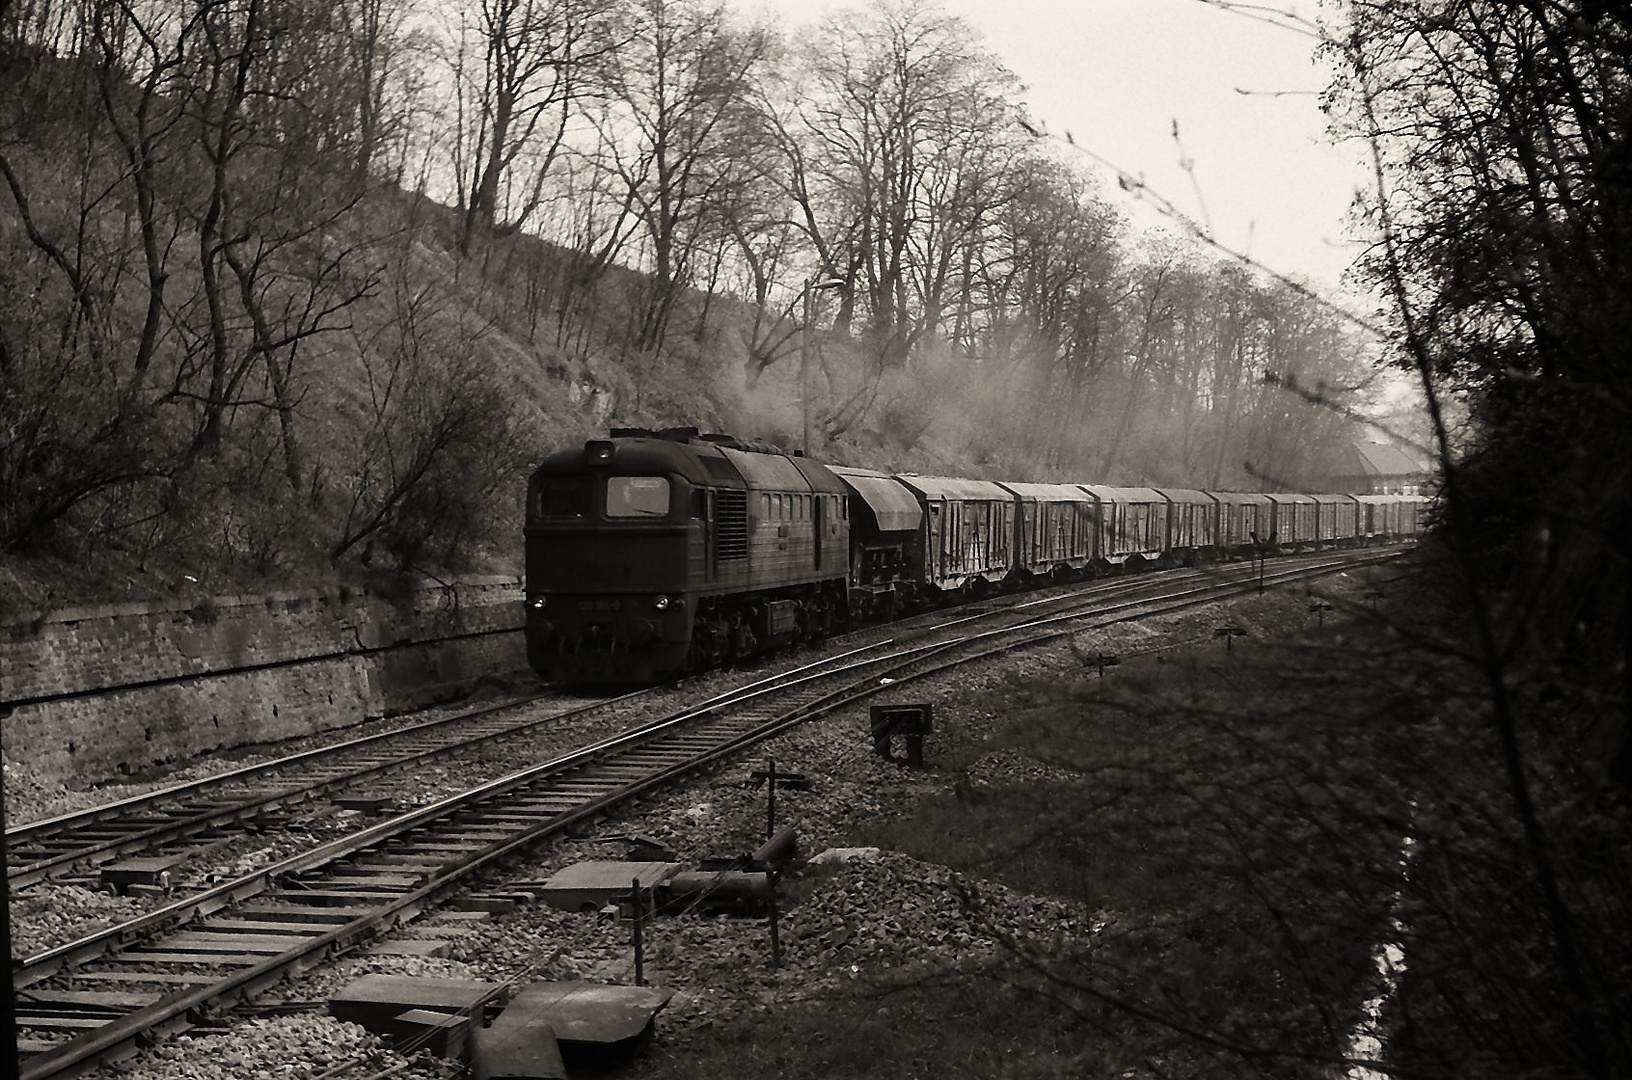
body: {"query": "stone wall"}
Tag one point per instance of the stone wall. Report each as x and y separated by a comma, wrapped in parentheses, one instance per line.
(96, 691)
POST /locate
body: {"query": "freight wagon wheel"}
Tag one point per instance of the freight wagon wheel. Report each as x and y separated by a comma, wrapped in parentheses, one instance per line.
(821, 619)
(743, 642)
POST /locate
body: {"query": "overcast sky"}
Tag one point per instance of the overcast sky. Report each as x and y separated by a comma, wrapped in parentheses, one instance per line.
(1117, 74)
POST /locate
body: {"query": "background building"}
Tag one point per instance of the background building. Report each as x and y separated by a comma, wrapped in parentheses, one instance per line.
(1373, 468)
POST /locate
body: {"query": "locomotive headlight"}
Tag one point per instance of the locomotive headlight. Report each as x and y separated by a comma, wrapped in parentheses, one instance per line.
(661, 603)
(536, 602)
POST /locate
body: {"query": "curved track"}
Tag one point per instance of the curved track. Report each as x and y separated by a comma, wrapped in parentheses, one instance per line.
(176, 814)
(152, 975)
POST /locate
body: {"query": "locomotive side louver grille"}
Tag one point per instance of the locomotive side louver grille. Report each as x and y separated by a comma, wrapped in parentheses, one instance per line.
(731, 524)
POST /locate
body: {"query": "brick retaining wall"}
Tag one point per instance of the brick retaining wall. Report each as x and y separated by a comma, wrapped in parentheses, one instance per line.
(95, 691)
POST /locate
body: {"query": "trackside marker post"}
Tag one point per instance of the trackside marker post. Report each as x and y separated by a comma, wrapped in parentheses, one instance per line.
(640, 921)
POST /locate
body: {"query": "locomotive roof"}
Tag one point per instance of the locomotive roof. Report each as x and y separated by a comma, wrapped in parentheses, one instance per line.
(770, 471)
(1045, 492)
(1123, 494)
(954, 488)
(819, 476)
(705, 461)
(653, 456)
(895, 507)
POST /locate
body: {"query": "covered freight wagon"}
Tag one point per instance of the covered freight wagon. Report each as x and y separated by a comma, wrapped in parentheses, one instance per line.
(967, 532)
(1132, 523)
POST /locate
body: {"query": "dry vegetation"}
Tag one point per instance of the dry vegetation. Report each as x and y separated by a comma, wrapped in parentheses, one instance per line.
(1249, 828)
(299, 290)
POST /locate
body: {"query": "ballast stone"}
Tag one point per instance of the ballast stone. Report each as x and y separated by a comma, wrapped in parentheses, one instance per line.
(840, 855)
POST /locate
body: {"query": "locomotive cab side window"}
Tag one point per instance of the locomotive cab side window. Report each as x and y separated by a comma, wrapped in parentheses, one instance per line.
(637, 496)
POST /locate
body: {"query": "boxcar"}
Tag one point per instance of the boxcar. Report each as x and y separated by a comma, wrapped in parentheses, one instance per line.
(967, 536)
(1296, 520)
(1192, 524)
(1378, 517)
(1388, 519)
(1245, 520)
(1337, 516)
(1413, 516)
(1132, 524)
(1053, 529)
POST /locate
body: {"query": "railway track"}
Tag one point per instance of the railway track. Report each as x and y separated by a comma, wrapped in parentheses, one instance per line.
(175, 819)
(210, 807)
(103, 995)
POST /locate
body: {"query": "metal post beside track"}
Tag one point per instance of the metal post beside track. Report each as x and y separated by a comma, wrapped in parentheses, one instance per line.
(635, 893)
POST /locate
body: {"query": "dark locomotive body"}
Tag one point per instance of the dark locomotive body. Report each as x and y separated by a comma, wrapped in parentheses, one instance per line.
(651, 554)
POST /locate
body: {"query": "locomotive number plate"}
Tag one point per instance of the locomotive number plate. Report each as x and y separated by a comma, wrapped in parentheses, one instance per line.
(600, 605)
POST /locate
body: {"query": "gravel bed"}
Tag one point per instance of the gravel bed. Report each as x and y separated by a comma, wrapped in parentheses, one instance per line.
(874, 916)
(55, 912)
(286, 1046)
(878, 915)
(52, 913)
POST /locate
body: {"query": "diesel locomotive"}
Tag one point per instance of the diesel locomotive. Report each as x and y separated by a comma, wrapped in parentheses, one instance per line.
(653, 553)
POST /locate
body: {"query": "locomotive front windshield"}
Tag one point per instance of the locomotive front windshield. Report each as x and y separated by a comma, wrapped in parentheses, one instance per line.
(560, 496)
(637, 496)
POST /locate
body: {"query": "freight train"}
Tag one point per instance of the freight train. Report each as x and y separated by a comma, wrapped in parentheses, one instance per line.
(654, 553)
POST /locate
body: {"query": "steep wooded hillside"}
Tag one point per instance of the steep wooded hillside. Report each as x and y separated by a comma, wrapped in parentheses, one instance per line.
(300, 290)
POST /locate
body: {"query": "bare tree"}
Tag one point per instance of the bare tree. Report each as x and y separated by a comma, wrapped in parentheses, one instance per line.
(901, 126)
(679, 135)
(517, 107)
(436, 449)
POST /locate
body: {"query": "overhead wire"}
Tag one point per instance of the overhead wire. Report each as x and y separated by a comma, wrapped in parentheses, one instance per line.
(1135, 185)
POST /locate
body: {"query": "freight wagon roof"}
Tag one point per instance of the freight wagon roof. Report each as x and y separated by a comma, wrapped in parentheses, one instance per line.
(1327, 500)
(1289, 498)
(771, 472)
(893, 505)
(1053, 493)
(1187, 495)
(1123, 494)
(1377, 500)
(955, 489)
(1239, 498)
